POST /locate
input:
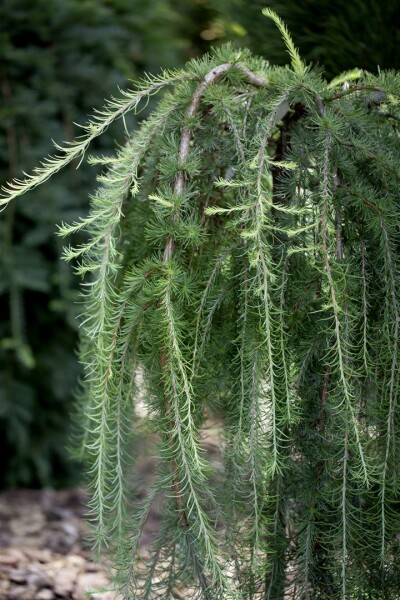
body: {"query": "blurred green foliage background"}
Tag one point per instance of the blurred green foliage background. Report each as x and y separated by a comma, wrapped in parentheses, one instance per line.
(337, 35)
(58, 60)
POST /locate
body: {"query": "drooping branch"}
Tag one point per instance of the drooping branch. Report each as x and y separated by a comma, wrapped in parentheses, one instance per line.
(184, 149)
(102, 119)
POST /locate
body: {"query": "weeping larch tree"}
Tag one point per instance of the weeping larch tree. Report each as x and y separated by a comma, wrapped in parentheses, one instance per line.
(242, 256)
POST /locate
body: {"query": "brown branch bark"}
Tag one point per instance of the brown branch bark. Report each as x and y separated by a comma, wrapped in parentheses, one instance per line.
(356, 88)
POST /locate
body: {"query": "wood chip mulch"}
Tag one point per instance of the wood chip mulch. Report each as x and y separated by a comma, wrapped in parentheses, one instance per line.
(43, 554)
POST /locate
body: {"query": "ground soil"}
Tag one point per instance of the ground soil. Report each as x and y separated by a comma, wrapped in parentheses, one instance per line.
(44, 553)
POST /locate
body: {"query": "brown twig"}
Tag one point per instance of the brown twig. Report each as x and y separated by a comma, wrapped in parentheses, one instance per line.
(356, 88)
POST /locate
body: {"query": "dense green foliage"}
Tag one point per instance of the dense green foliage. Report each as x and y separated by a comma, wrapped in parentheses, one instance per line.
(96, 46)
(59, 59)
(242, 258)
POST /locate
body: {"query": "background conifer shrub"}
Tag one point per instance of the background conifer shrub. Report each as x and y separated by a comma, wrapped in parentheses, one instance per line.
(242, 256)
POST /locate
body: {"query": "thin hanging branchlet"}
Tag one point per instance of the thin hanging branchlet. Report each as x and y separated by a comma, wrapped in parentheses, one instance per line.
(198, 352)
(114, 109)
(393, 378)
(344, 557)
(364, 307)
(253, 441)
(243, 335)
(341, 357)
(286, 375)
(263, 264)
(347, 395)
(102, 325)
(240, 263)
